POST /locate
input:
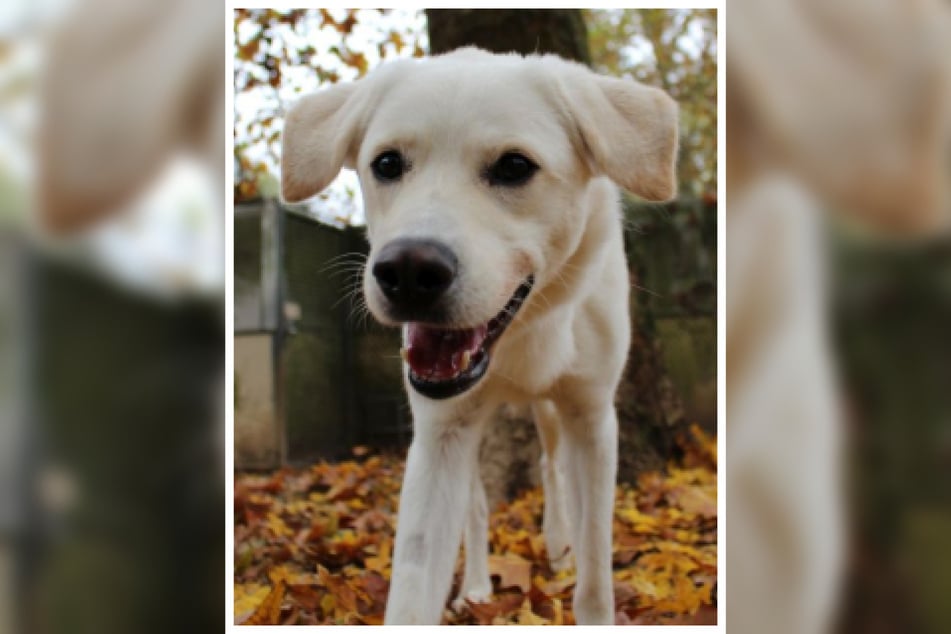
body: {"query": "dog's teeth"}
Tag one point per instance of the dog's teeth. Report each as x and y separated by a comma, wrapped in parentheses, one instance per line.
(466, 360)
(404, 354)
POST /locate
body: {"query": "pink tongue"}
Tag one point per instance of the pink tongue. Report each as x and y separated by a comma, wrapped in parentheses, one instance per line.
(436, 354)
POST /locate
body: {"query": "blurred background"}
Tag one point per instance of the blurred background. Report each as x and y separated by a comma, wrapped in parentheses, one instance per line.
(838, 422)
(838, 289)
(112, 330)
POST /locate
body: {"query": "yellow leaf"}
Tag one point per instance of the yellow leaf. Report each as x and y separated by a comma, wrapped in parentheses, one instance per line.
(382, 561)
(247, 597)
(278, 574)
(277, 526)
(559, 616)
(327, 604)
(636, 518)
(269, 611)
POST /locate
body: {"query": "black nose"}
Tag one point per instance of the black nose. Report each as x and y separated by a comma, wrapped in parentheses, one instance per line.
(414, 273)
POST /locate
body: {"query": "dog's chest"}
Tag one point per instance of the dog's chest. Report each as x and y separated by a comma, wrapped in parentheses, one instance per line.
(526, 367)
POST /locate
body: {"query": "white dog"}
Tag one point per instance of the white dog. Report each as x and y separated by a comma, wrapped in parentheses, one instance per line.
(497, 244)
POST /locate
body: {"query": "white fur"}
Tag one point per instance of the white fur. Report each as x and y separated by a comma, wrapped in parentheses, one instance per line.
(565, 351)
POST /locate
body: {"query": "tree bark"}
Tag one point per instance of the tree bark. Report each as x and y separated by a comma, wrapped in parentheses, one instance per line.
(525, 31)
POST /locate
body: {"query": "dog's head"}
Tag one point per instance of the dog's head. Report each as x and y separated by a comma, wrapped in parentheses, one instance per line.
(474, 169)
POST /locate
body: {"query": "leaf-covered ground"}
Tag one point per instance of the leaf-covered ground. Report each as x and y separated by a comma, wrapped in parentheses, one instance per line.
(314, 546)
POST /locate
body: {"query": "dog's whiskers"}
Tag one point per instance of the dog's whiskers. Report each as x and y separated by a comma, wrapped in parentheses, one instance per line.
(344, 259)
(646, 290)
(353, 269)
(358, 308)
(348, 289)
(352, 288)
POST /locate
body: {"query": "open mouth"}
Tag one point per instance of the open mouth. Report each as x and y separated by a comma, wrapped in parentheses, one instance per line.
(445, 362)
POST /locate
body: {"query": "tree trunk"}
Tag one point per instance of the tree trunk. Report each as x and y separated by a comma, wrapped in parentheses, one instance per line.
(525, 31)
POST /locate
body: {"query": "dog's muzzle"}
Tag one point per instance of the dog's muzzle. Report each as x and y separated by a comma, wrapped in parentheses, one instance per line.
(443, 359)
(445, 362)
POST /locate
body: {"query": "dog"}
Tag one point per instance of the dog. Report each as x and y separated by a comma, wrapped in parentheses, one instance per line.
(496, 244)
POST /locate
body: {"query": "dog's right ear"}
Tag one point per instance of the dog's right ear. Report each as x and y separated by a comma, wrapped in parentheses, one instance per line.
(627, 128)
(319, 136)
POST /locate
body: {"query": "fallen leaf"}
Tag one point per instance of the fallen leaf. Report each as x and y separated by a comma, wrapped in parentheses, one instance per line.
(313, 546)
(486, 613)
(557, 587)
(527, 617)
(695, 500)
(512, 570)
(269, 612)
(308, 597)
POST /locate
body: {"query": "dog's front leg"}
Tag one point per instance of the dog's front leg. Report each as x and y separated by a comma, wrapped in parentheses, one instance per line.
(590, 452)
(433, 506)
(476, 584)
(554, 520)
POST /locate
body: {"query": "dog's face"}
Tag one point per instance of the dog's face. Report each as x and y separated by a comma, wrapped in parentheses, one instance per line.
(474, 170)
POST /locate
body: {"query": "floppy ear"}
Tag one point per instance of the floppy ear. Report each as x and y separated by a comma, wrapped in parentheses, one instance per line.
(319, 135)
(628, 129)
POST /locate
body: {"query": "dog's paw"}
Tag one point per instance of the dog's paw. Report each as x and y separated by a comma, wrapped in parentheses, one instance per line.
(560, 565)
(594, 607)
(475, 596)
(563, 561)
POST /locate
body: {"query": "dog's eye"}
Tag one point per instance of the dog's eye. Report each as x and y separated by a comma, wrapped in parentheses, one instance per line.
(511, 169)
(388, 166)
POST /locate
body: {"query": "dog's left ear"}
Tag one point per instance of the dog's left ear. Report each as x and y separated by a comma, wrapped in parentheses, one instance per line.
(628, 129)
